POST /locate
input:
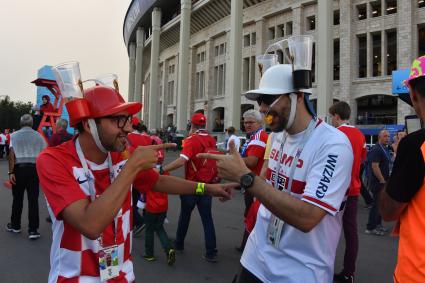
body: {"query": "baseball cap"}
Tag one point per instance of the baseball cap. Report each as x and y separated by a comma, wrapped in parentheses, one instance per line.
(135, 121)
(417, 69)
(198, 119)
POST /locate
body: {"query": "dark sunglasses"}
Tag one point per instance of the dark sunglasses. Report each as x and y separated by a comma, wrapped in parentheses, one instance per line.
(121, 120)
(267, 99)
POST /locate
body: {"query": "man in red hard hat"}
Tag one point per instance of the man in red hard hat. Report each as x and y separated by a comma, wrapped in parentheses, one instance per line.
(87, 183)
(198, 141)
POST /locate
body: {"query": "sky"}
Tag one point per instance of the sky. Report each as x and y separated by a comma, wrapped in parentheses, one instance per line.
(34, 33)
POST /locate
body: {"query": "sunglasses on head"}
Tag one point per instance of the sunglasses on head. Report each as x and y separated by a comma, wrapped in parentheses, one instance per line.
(267, 99)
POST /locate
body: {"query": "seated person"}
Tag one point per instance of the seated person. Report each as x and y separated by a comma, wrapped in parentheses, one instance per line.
(46, 106)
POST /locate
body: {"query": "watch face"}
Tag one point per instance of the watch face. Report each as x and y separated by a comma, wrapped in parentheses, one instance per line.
(246, 180)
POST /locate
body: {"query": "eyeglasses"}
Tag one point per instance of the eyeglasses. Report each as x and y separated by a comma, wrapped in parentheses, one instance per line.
(249, 122)
(267, 99)
(121, 120)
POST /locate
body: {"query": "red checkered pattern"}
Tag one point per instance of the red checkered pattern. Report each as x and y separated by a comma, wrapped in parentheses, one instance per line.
(74, 258)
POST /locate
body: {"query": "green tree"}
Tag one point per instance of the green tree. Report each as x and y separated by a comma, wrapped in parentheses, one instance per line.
(11, 112)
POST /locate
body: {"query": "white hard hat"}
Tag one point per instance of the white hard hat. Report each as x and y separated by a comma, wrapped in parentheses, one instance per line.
(276, 80)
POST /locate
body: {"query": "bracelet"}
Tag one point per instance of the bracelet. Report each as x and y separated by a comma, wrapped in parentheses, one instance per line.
(10, 172)
(200, 189)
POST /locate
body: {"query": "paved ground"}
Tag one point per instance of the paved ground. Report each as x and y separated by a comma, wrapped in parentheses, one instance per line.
(22, 260)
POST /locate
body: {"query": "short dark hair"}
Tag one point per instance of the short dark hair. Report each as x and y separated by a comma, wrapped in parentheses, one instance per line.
(79, 127)
(418, 85)
(198, 127)
(143, 128)
(231, 130)
(342, 109)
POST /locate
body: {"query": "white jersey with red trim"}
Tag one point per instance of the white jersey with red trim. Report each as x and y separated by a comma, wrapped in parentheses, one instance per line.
(321, 178)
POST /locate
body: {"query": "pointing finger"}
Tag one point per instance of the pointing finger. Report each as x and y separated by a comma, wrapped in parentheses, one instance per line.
(210, 156)
(232, 148)
(162, 146)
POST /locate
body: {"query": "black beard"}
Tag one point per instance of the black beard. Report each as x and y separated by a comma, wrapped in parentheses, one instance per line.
(107, 144)
(280, 125)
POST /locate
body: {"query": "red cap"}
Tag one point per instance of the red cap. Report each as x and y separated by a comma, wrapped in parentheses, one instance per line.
(135, 121)
(199, 119)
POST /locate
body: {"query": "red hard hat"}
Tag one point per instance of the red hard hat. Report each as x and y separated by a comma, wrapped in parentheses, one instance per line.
(105, 101)
(99, 101)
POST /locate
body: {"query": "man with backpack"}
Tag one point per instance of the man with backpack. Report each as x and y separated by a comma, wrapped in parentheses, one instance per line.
(198, 141)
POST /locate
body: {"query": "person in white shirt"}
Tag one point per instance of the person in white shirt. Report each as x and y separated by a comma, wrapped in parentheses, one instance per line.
(2, 144)
(309, 171)
(232, 137)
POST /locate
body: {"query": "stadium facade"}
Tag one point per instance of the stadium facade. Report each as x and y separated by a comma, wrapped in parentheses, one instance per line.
(181, 59)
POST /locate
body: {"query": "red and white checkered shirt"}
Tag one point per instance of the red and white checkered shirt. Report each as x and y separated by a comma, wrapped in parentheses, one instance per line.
(74, 257)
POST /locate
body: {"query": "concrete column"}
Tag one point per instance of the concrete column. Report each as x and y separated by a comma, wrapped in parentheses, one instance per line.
(192, 81)
(140, 39)
(405, 31)
(260, 30)
(183, 68)
(369, 10)
(233, 111)
(369, 55)
(164, 94)
(384, 53)
(297, 22)
(209, 80)
(153, 122)
(324, 58)
(346, 51)
(132, 65)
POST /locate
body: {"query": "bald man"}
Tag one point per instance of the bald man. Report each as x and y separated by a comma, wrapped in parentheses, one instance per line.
(379, 159)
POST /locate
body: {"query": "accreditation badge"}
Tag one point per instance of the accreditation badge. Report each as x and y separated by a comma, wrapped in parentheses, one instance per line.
(274, 231)
(108, 263)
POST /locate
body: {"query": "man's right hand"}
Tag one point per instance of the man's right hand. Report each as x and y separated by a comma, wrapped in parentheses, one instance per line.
(146, 157)
(12, 178)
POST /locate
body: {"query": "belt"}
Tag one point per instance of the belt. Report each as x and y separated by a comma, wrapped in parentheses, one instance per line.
(25, 165)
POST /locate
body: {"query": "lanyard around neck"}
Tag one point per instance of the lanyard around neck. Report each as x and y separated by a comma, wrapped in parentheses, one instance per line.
(387, 155)
(90, 181)
(306, 137)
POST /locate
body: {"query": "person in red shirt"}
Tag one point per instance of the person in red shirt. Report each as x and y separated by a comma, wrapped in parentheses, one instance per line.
(61, 134)
(138, 137)
(154, 217)
(253, 155)
(340, 115)
(87, 183)
(46, 106)
(192, 145)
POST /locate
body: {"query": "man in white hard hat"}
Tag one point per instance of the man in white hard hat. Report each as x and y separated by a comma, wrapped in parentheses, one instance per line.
(299, 222)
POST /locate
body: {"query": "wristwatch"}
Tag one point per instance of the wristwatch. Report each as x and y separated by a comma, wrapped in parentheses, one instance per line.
(161, 170)
(246, 181)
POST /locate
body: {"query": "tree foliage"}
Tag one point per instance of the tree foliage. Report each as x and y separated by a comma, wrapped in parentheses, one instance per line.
(11, 112)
